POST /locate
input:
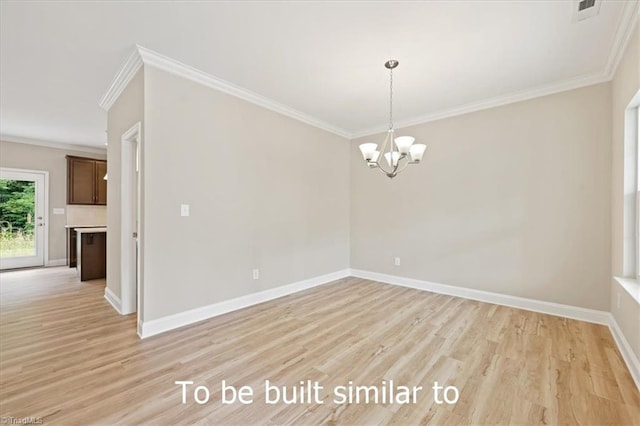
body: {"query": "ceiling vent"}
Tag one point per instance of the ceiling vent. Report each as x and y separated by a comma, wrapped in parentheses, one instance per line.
(584, 9)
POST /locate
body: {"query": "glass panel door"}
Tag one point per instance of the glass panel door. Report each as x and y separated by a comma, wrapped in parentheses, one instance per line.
(21, 219)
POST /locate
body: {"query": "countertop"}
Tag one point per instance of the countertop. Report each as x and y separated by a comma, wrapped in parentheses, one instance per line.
(90, 230)
(85, 226)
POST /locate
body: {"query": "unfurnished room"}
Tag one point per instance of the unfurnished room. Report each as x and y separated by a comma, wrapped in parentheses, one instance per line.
(320, 212)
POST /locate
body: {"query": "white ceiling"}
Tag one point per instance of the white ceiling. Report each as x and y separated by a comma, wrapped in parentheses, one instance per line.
(322, 59)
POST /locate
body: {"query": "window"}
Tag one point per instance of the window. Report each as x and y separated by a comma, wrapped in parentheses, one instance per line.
(630, 279)
(631, 201)
(637, 193)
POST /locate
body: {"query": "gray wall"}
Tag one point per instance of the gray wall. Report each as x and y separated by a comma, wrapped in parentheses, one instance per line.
(513, 200)
(125, 112)
(265, 191)
(52, 160)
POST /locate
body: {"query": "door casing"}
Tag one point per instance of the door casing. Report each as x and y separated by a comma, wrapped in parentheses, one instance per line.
(130, 247)
(41, 177)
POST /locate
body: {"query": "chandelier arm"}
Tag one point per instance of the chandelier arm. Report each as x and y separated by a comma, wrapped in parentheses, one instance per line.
(386, 141)
(383, 172)
(395, 170)
(379, 162)
(406, 163)
(382, 169)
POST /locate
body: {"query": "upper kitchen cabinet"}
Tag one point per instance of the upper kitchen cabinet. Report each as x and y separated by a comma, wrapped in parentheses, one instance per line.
(101, 183)
(85, 181)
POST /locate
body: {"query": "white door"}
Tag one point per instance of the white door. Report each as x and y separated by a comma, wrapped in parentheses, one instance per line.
(130, 237)
(22, 218)
(135, 188)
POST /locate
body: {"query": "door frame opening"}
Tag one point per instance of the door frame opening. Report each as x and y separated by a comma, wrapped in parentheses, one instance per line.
(130, 232)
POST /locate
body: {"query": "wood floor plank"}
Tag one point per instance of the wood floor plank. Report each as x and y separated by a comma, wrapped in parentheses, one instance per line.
(67, 356)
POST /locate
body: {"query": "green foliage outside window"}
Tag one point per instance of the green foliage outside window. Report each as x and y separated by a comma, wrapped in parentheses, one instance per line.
(17, 217)
(17, 206)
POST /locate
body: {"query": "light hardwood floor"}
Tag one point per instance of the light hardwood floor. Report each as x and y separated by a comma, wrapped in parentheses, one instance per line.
(67, 357)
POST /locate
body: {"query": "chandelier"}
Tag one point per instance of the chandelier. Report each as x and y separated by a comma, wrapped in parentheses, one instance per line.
(405, 151)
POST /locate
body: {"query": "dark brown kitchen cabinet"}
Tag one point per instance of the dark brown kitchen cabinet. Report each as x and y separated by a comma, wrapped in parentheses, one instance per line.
(85, 181)
(92, 255)
(73, 241)
(101, 184)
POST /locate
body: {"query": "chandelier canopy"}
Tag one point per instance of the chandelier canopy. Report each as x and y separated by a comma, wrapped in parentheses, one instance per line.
(404, 152)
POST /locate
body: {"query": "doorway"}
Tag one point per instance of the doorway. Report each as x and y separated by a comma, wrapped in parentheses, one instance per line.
(23, 224)
(130, 222)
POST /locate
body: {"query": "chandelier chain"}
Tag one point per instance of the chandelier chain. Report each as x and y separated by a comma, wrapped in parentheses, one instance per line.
(391, 99)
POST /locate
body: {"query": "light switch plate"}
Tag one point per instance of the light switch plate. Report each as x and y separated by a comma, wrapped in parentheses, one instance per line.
(58, 210)
(184, 210)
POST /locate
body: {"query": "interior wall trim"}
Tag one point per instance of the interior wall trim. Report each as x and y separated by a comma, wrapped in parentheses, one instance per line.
(624, 347)
(55, 262)
(557, 309)
(519, 96)
(126, 72)
(170, 322)
(113, 300)
(53, 144)
(550, 308)
(140, 56)
(157, 60)
(626, 27)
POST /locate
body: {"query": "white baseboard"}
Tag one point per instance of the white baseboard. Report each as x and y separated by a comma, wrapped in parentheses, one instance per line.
(557, 309)
(630, 358)
(567, 311)
(55, 262)
(160, 325)
(113, 300)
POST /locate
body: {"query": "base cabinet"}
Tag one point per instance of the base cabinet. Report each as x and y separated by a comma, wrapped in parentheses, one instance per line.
(91, 255)
(72, 238)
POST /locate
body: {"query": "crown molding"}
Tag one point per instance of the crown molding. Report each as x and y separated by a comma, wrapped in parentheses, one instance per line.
(523, 95)
(155, 59)
(625, 28)
(140, 56)
(53, 144)
(126, 72)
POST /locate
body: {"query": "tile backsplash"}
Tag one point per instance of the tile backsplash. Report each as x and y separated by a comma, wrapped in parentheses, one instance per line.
(86, 215)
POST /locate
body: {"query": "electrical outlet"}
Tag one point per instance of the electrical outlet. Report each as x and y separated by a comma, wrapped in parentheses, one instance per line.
(396, 261)
(184, 209)
(256, 274)
(619, 299)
